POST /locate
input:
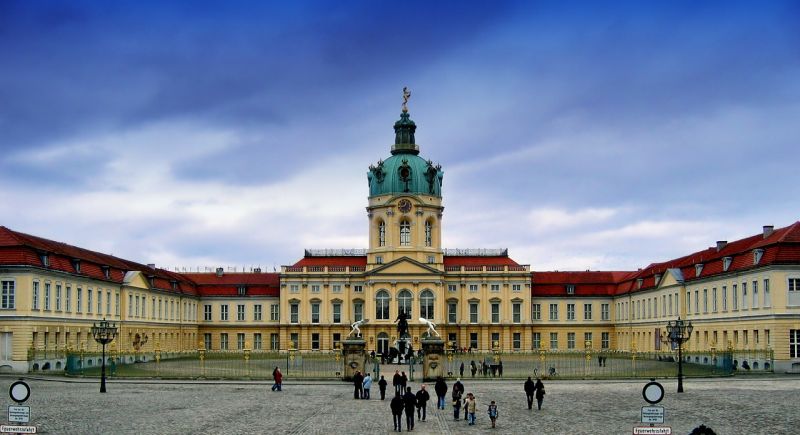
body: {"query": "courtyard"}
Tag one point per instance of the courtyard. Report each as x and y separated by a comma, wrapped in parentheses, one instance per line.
(736, 405)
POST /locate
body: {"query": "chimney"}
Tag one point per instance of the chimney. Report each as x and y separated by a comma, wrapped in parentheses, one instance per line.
(721, 244)
(151, 265)
(768, 230)
(219, 271)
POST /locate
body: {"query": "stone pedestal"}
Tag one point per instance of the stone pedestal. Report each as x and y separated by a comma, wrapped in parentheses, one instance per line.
(353, 357)
(434, 363)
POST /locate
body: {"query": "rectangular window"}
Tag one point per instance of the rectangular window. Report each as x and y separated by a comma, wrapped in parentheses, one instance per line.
(206, 312)
(89, 301)
(553, 311)
(274, 341)
(495, 312)
(315, 341)
(240, 341)
(516, 340)
(516, 312)
(240, 312)
(473, 312)
(688, 302)
(587, 311)
(78, 300)
(495, 288)
(452, 308)
(315, 288)
(58, 297)
(755, 294)
(587, 339)
(294, 337)
(714, 299)
(735, 295)
(697, 301)
(794, 284)
(767, 297)
(605, 342)
(451, 288)
(705, 300)
(8, 295)
(47, 296)
(257, 313)
(130, 305)
(337, 288)
(68, 299)
(358, 311)
(536, 312)
(358, 289)
(207, 341)
(473, 288)
(223, 341)
(570, 311)
(223, 312)
(604, 312)
(554, 340)
(337, 312)
(274, 312)
(473, 340)
(100, 301)
(257, 344)
(570, 340)
(669, 302)
(294, 288)
(724, 298)
(537, 340)
(35, 295)
(516, 288)
(744, 295)
(294, 313)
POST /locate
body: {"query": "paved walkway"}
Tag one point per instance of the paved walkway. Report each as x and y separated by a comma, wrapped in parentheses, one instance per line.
(729, 406)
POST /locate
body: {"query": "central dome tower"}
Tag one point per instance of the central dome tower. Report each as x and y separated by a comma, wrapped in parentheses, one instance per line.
(405, 201)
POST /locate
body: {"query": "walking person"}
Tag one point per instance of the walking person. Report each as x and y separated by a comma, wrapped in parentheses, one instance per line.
(441, 392)
(277, 376)
(422, 403)
(410, 402)
(493, 413)
(461, 369)
(473, 368)
(530, 388)
(539, 393)
(358, 384)
(471, 408)
(403, 381)
(456, 400)
(397, 380)
(382, 386)
(367, 384)
(500, 368)
(397, 411)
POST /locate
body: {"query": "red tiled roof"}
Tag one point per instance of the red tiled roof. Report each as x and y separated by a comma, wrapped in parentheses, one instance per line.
(332, 261)
(479, 261)
(586, 283)
(257, 284)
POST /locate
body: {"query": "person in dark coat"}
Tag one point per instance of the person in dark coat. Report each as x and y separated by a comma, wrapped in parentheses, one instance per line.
(397, 382)
(500, 368)
(278, 377)
(410, 402)
(403, 381)
(397, 411)
(422, 403)
(458, 391)
(473, 368)
(529, 390)
(382, 386)
(461, 370)
(358, 385)
(539, 393)
(441, 392)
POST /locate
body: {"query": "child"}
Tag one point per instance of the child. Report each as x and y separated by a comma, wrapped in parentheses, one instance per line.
(493, 413)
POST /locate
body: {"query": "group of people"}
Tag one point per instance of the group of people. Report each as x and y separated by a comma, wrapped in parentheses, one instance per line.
(482, 368)
(534, 389)
(363, 383)
(409, 402)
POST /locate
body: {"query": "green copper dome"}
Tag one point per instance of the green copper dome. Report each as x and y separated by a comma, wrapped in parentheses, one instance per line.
(405, 171)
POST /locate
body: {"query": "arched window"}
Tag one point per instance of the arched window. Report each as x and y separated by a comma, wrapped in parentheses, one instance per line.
(382, 305)
(405, 233)
(428, 237)
(382, 234)
(404, 302)
(426, 304)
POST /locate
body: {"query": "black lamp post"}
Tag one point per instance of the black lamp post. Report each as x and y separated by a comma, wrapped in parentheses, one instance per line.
(679, 333)
(104, 333)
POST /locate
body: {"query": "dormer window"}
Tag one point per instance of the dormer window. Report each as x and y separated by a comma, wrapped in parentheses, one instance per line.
(570, 289)
(698, 269)
(757, 254)
(657, 278)
(106, 272)
(242, 290)
(76, 264)
(639, 282)
(45, 259)
(726, 263)
(152, 280)
(174, 285)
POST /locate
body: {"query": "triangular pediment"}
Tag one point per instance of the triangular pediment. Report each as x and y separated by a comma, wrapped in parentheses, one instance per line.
(405, 266)
(136, 279)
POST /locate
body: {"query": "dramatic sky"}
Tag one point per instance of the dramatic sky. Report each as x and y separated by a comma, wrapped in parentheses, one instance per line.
(580, 135)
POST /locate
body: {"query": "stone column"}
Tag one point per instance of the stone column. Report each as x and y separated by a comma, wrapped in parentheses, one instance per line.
(434, 360)
(354, 357)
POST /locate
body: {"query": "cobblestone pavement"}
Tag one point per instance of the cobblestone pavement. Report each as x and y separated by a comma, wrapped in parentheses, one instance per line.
(730, 406)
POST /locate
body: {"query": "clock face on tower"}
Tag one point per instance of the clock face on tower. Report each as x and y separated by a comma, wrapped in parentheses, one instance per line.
(404, 205)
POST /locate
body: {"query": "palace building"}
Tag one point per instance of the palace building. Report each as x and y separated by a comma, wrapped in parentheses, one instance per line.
(742, 295)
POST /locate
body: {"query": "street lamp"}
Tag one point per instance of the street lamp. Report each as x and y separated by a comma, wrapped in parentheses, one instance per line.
(104, 333)
(678, 333)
